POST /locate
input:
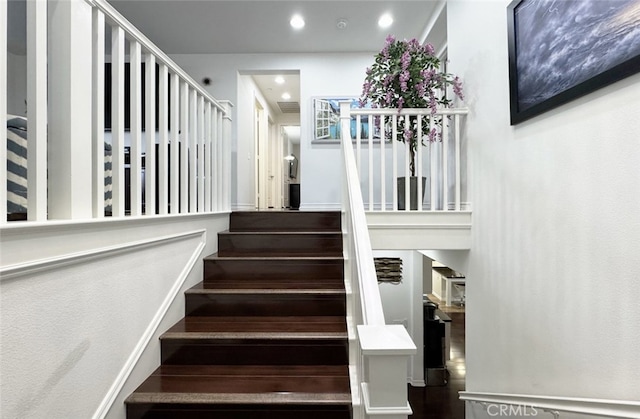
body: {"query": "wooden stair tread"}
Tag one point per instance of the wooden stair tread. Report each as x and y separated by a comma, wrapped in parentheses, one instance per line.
(267, 287)
(284, 283)
(214, 327)
(277, 257)
(245, 384)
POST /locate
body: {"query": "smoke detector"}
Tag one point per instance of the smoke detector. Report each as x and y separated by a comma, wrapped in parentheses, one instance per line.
(341, 24)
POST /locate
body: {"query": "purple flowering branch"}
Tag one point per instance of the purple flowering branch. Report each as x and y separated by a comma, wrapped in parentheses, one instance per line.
(406, 74)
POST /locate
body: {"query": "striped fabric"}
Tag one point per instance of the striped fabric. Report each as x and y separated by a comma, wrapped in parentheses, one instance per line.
(17, 169)
(16, 164)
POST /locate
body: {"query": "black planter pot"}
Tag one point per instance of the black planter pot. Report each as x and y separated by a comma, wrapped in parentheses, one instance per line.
(413, 190)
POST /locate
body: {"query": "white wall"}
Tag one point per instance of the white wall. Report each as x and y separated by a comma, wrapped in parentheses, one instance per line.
(402, 304)
(16, 84)
(320, 75)
(553, 270)
(82, 309)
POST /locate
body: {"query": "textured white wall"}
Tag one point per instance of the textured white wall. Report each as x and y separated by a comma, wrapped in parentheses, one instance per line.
(553, 271)
(72, 332)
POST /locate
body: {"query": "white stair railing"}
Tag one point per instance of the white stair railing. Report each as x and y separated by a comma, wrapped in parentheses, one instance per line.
(385, 171)
(378, 353)
(134, 166)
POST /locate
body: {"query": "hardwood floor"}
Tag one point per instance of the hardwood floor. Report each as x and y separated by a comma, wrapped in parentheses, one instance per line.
(442, 402)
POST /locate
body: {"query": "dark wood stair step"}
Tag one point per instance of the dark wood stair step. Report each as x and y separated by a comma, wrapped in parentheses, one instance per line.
(276, 283)
(285, 221)
(265, 302)
(256, 340)
(245, 391)
(279, 243)
(259, 327)
(267, 268)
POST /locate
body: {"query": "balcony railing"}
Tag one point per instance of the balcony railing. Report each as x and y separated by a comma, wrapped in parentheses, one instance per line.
(114, 128)
(384, 163)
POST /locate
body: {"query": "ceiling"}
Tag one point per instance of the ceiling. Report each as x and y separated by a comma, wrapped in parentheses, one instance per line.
(262, 26)
(243, 26)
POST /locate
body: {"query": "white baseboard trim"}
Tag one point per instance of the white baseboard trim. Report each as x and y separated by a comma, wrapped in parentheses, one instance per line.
(553, 405)
(125, 372)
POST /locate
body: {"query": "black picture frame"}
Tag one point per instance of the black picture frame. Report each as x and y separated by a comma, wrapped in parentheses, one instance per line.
(556, 57)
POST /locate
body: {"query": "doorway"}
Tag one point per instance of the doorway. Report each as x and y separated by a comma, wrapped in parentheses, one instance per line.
(269, 107)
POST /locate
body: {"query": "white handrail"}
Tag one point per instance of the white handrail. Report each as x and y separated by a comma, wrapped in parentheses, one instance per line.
(378, 352)
(117, 19)
(554, 404)
(372, 313)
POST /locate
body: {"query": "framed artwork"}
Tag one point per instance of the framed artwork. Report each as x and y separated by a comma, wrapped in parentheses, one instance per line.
(562, 50)
(326, 119)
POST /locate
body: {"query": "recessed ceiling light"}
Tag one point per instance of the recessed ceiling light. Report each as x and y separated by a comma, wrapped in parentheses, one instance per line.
(342, 23)
(297, 22)
(280, 80)
(286, 96)
(385, 20)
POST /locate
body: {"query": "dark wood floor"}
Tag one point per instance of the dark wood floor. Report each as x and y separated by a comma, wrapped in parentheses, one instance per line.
(443, 402)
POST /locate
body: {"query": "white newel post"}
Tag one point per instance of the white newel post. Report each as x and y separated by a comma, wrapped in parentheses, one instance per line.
(70, 74)
(386, 350)
(225, 158)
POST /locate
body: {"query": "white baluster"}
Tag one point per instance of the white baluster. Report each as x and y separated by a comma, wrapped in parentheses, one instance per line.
(445, 164)
(458, 168)
(433, 164)
(383, 152)
(418, 163)
(200, 152)
(182, 156)
(150, 134)
(191, 155)
(163, 147)
(407, 169)
(97, 117)
(117, 120)
(177, 138)
(207, 157)
(135, 152)
(394, 159)
(215, 175)
(370, 143)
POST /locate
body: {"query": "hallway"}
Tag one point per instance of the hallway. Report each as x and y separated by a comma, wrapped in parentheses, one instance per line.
(443, 402)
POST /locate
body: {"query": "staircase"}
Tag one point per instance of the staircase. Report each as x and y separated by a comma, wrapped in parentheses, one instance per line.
(264, 334)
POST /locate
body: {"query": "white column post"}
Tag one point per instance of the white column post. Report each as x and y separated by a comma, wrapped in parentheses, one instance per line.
(3, 113)
(69, 148)
(225, 159)
(386, 349)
